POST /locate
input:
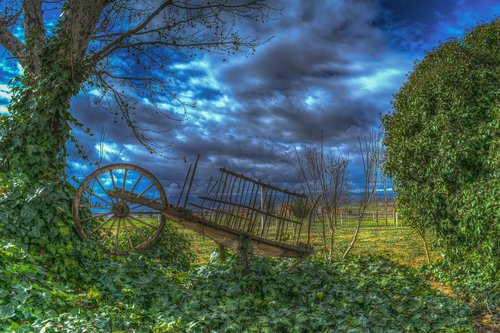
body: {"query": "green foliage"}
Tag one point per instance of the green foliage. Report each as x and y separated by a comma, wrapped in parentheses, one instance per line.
(470, 281)
(362, 294)
(172, 248)
(443, 149)
(299, 209)
(356, 295)
(25, 292)
(114, 288)
(34, 134)
(36, 197)
(40, 219)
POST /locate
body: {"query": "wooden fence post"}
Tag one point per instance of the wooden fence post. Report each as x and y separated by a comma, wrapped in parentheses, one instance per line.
(222, 251)
(245, 250)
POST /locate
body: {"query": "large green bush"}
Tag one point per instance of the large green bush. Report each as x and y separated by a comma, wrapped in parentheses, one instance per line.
(444, 151)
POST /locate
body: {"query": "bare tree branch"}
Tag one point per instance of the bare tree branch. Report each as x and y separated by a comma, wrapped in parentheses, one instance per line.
(98, 55)
(371, 152)
(324, 178)
(186, 26)
(12, 43)
(110, 85)
(34, 32)
(11, 15)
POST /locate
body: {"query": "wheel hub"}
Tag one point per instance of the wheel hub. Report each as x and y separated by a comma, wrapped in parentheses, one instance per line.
(121, 209)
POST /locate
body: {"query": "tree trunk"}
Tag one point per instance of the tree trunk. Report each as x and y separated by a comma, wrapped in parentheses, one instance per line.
(395, 211)
(38, 136)
(426, 249)
(424, 242)
(353, 241)
(385, 199)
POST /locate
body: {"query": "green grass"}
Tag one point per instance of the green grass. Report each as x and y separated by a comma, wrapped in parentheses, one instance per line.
(401, 245)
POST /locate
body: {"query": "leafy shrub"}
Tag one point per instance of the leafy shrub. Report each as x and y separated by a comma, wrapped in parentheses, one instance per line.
(107, 291)
(172, 248)
(300, 209)
(26, 294)
(470, 281)
(443, 149)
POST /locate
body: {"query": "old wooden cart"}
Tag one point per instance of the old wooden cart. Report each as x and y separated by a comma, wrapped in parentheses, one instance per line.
(124, 208)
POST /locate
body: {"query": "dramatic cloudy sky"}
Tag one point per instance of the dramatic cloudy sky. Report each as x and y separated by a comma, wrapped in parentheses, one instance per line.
(331, 67)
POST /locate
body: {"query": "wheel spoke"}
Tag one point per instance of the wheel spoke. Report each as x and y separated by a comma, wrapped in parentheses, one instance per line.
(112, 179)
(128, 238)
(136, 183)
(138, 229)
(94, 216)
(95, 206)
(146, 213)
(143, 222)
(92, 193)
(137, 206)
(110, 228)
(103, 188)
(102, 225)
(138, 195)
(117, 241)
(105, 236)
(124, 180)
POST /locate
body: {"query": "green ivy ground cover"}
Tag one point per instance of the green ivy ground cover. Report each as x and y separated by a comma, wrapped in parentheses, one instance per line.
(362, 294)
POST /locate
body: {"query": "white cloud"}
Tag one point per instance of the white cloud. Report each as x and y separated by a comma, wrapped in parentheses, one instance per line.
(3, 110)
(110, 151)
(5, 92)
(380, 80)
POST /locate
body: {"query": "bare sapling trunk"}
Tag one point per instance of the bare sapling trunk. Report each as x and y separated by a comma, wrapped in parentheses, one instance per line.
(395, 211)
(325, 181)
(384, 184)
(337, 172)
(370, 150)
(421, 233)
(312, 172)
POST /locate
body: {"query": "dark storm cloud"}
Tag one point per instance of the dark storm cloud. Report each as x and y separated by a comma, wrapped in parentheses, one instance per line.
(253, 111)
(329, 71)
(302, 82)
(290, 123)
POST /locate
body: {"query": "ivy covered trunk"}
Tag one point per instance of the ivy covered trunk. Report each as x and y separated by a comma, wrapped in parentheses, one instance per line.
(37, 130)
(36, 208)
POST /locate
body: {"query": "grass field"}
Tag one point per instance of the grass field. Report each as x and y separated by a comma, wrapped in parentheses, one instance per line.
(401, 244)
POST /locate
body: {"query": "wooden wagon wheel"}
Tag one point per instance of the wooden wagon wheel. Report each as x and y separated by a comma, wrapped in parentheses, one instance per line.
(117, 225)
